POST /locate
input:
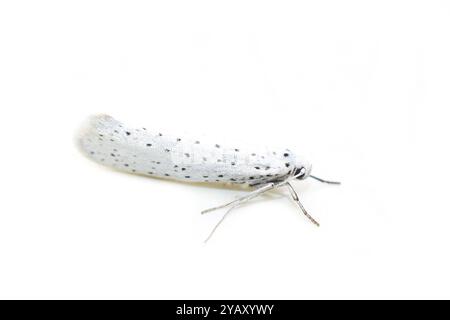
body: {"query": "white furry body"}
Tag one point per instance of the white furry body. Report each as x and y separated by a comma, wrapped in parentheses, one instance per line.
(184, 158)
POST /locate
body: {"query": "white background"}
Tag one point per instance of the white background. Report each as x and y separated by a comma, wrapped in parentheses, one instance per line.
(361, 88)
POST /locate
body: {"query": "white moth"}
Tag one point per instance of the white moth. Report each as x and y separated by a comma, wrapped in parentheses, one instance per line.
(191, 159)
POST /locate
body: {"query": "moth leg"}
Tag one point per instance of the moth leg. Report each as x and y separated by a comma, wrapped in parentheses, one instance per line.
(245, 198)
(297, 201)
(237, 203)
(256, 184)
(220, 221)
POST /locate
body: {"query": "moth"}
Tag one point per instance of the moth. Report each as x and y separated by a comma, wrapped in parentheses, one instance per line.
(193, 159)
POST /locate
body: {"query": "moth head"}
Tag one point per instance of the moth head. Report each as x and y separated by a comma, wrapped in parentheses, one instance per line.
(302, 170)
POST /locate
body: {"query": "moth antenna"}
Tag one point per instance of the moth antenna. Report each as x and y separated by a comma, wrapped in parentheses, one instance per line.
(297, 201)
(324, 181)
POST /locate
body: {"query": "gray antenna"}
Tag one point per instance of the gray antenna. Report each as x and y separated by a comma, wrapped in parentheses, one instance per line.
(324, 181)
